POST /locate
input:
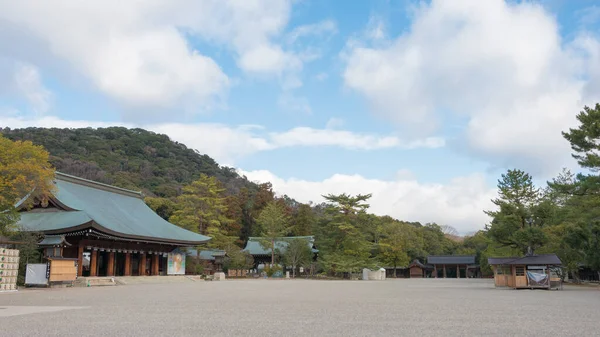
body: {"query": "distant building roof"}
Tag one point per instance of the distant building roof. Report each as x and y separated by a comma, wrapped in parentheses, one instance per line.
(417, 263)
(544, 259)
(83, 204)
(500, 260)
(451, 259)
(54, 240)
(254, 247)
(208, 254)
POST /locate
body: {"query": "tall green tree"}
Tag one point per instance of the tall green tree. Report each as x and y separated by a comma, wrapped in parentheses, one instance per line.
(297, 254)
(521, 215)
(393, 245)
(345, 248)
(274, 223)
(164, 207)
(583, 206)
(585, 138)
(303, 220)
(201, 209)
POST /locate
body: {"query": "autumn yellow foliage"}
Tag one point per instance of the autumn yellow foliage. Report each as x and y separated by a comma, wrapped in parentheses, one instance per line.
(24, 170)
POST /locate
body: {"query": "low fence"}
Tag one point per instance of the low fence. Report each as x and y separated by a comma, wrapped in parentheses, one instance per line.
(237, 273)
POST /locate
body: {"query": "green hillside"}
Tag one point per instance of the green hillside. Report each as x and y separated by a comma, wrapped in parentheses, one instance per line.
(128, 158)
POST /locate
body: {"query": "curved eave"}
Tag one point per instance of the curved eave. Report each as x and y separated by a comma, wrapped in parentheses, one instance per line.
(100, 228)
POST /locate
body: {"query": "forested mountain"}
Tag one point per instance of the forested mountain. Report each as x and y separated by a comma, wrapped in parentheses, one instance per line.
(191, 190)
(128, 158)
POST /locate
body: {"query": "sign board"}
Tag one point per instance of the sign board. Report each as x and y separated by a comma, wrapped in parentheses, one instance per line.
(36, 274)
(176, 263)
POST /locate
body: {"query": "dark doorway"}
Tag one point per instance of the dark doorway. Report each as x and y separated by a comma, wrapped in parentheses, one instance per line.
(102, 263)
(119, 264)
(162, 265)
(135, 264)
(451, 272)
(148, 265)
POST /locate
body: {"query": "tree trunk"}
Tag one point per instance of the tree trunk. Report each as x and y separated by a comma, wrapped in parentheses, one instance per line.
(395, 271)
(293, 271)
(272, 253)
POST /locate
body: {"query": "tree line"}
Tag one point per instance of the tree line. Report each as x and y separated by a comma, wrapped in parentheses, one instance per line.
(561, 217)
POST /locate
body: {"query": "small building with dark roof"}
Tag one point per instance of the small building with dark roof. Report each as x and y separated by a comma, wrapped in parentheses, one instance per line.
(419, 270)
(533, 271)
(454, 266)
(111, 226)
(211, 259)
(263, 255)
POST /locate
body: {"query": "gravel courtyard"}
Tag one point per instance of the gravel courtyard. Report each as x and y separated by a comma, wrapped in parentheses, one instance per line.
(430, 307)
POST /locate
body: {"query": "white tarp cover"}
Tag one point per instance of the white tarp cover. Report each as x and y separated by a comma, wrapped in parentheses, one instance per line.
(36, 274)
(376, 275)
(537, 279)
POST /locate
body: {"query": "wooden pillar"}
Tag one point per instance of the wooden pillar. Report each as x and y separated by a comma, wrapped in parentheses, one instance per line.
(457, 271)
(79, 260)
(142, 267)
(435, 271)
(94, 263)
(444, 271)
(155, 264)
(127, 264)
(110, 267)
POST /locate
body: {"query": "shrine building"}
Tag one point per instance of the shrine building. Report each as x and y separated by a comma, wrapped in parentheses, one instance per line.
(108, 230)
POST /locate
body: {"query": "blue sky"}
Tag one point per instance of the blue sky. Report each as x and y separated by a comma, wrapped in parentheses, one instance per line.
(422, 103)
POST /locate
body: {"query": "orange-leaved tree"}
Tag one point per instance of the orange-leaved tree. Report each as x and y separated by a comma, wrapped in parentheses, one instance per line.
(24, 172)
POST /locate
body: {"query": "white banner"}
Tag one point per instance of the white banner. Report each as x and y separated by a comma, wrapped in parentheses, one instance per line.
(36, 274)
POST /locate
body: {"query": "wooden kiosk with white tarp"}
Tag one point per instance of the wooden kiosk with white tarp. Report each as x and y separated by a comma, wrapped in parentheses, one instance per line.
(529, 272)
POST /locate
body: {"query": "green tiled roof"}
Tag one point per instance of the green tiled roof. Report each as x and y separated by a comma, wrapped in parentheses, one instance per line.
(54, 240)
(207, 254)
(108, 209)
(254, 247)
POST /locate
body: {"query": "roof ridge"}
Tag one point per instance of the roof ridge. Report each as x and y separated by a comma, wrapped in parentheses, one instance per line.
(284, 237)
(449, 255)
(95, 184)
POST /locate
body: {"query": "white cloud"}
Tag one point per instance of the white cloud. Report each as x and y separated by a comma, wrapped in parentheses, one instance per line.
(321, 77)
(326, 27)
(589, 15)
(502, 66)
(288, 101)
(139, 52)
(28, 82)
(460, 203)
(131, 51)
(305, 136)
(226, 143)
(334, 123)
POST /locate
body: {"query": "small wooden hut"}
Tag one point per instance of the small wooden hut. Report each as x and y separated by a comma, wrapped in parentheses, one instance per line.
(529, 272)
(419, 270)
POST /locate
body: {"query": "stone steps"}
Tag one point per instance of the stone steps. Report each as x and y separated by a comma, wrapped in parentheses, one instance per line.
(124, 280)
(94, 282)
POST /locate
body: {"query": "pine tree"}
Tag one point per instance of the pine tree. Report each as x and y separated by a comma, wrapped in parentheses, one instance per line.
(521, 215)
(304, 220)
(202, 208)
(274, 223)
(345, 248)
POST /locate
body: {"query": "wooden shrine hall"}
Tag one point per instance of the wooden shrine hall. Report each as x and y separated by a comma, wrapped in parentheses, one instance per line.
(110, 231)
(454, 266)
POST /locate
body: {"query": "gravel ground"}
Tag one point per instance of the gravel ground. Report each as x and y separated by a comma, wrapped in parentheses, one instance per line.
(430, 307)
